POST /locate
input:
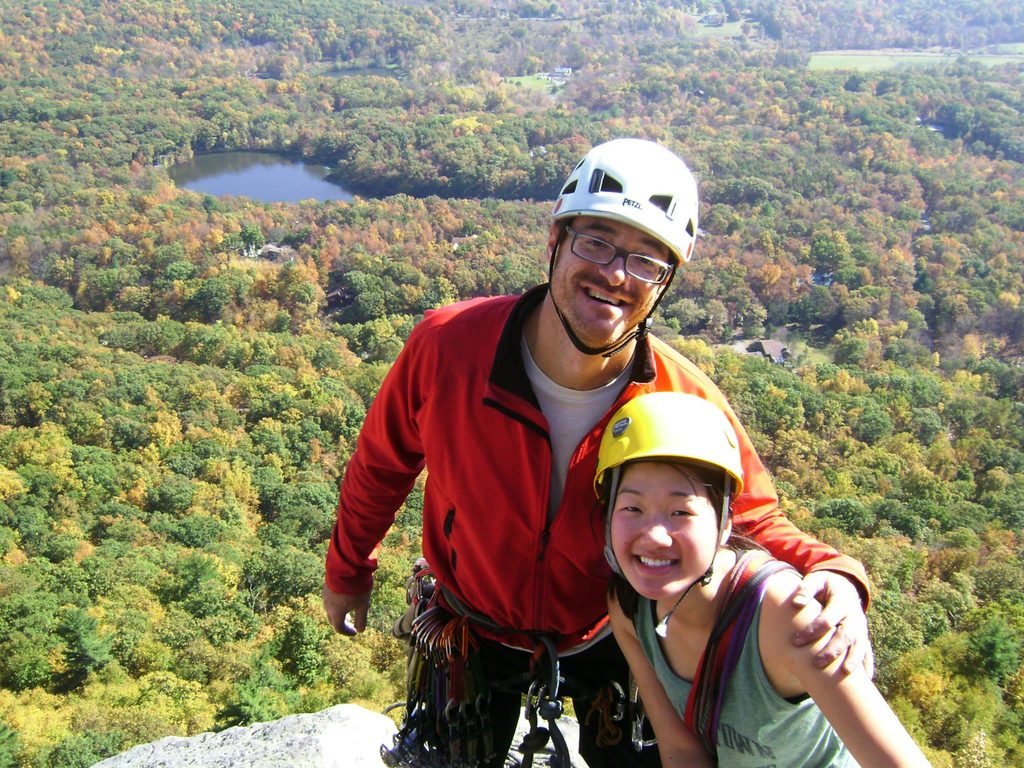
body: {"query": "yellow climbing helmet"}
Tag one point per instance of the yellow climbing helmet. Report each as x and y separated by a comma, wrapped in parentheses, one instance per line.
(670, 425)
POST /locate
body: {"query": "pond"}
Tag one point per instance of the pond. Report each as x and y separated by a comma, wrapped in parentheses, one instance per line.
(263, 176)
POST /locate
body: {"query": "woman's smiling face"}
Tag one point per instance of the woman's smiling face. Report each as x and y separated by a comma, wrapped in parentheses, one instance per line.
(664, 528)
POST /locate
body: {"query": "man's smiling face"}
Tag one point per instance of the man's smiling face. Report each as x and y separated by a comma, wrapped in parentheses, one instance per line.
(602, 303)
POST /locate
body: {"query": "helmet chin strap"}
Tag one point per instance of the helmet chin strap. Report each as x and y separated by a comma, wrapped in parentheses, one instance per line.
(606, 351)
(613, 490)
(662, 629)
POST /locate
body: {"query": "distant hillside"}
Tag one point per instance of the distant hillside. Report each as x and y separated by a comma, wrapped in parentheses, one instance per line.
(822, 25)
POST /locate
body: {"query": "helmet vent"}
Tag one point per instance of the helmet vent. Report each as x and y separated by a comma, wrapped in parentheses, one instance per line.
(569, 188)
(605, 184)
(664, 202)
(690, 229)
(611, 185)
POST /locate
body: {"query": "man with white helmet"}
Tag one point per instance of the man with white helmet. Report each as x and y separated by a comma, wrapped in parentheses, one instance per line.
(504, 399)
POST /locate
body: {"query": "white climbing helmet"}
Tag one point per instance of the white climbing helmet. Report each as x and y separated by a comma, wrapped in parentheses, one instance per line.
(637, 182)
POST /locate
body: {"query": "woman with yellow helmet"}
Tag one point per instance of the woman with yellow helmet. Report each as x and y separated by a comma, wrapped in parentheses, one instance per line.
(705, 620)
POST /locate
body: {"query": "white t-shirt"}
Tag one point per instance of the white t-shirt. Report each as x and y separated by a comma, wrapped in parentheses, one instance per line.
(571, 413)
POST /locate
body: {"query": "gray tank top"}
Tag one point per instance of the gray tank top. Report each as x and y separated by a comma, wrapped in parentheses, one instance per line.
(758, 728)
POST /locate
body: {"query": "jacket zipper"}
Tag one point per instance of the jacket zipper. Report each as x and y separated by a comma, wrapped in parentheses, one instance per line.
(545, 537)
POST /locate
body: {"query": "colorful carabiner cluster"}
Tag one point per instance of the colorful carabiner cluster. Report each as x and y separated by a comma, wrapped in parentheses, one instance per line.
(446, 721)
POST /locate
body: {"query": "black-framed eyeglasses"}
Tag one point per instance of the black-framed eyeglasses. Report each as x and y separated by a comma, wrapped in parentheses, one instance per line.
(642, 266)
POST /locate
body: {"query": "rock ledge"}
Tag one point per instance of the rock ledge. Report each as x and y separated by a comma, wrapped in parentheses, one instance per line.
(345, 736)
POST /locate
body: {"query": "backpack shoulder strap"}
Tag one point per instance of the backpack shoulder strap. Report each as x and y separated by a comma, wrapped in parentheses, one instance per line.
(728, 634)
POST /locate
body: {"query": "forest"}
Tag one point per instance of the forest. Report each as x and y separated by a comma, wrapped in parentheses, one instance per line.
(176, 412)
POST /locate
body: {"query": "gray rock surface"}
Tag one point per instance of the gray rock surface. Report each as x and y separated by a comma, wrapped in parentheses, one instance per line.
(345, 736)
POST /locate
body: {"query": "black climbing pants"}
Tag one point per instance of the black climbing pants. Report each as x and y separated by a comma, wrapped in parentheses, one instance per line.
(603, 743)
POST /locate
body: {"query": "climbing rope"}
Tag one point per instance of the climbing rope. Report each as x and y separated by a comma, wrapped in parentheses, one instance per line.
(608, 708)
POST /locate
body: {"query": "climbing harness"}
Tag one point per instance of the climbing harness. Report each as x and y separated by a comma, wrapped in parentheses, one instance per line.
(722, 652)
(446, 722)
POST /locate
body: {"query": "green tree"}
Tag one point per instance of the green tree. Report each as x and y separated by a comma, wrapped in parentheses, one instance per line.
(301, 649)
(81, 750)
(830, 252)
(26, 661)
(848, 515)
(173, 496)
(274, 574)
(211, 297)
(252, 238)
(9, 746)
(263, 695)
(996, 648)
(872, 425)
(85, 650)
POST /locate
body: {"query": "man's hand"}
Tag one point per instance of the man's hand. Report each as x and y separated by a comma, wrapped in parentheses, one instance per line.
(841, 615)
(338, 606)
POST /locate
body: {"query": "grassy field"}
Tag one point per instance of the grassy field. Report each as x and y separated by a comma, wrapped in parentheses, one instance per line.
(537, 82)
(865, 61)
(541, 82)
(729, 29)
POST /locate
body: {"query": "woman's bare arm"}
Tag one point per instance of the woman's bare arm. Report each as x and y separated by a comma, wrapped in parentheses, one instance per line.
(851, 702)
